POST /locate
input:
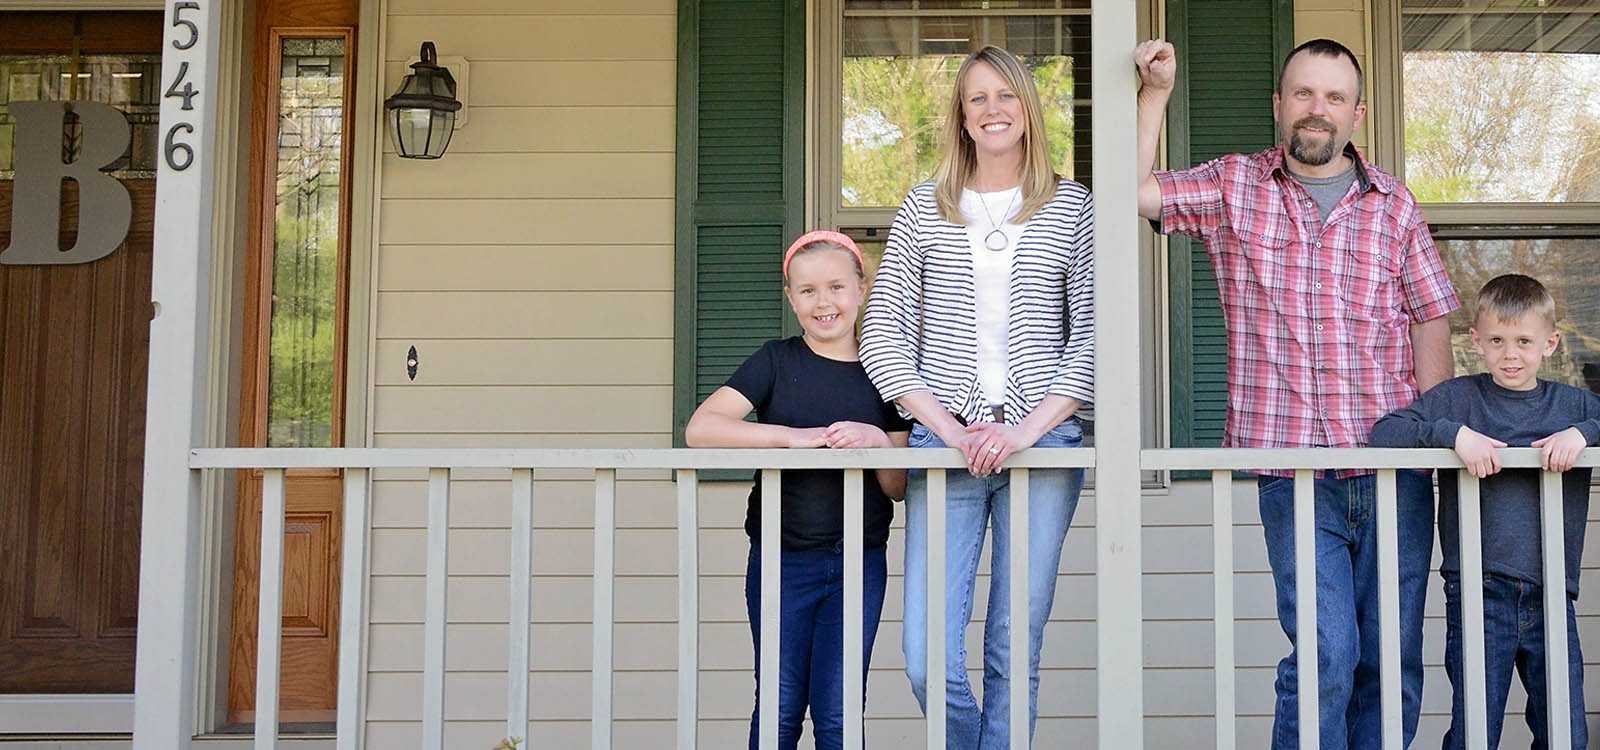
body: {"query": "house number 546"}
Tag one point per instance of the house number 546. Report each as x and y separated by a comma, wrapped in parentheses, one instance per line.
(186, 91)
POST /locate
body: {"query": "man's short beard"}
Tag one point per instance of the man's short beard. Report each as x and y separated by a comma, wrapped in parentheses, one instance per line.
(1315, 156)
(1304, 152)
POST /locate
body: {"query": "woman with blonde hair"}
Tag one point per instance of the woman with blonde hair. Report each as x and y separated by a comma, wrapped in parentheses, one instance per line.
(981, 328)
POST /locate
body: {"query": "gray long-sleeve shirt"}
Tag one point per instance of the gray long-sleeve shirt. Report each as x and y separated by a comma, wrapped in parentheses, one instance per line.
(1509, 499)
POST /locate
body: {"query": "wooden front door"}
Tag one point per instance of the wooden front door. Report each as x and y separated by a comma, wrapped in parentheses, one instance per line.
(292, 384)
(74, 344)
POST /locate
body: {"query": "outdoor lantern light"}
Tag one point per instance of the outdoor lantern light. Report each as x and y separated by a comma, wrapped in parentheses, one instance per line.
(423, 112)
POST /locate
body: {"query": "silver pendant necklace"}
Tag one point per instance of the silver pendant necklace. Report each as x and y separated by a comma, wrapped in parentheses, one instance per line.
(996, 240)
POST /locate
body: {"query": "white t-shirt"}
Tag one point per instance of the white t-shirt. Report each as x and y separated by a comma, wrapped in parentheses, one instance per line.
(991, 274)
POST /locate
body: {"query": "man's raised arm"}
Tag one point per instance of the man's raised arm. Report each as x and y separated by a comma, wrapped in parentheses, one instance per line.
(1158, 69)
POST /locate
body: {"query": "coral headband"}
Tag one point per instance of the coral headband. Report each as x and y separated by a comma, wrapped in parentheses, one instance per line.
(821, 235)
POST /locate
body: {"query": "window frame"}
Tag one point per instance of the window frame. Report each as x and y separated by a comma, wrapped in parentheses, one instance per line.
(1388, 139)
(262, 251)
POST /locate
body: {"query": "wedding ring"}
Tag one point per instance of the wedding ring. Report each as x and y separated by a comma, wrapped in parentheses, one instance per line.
(994, 450)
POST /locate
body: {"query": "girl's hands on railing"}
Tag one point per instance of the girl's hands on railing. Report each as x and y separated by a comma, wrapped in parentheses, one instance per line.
(1560, 451)
(1477, 451)
(855, 435)
(807, 437)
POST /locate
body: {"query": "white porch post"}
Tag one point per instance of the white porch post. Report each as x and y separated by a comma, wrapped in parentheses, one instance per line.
(169, 564)
(1117, 366)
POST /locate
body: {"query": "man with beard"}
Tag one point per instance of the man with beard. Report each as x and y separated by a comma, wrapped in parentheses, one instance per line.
(1335, 301)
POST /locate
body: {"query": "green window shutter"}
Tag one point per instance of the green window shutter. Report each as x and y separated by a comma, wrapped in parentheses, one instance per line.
(740, 164)
(1228, 57)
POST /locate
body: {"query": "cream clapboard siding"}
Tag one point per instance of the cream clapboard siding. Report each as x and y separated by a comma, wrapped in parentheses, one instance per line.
(532, 268)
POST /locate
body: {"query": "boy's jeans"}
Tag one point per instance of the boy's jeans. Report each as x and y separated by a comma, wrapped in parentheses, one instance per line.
(811, 639)
(1347, 604)
(971, 502)
(1513, 637)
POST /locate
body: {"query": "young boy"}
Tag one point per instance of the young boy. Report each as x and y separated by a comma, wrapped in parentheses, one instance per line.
(1513, 330)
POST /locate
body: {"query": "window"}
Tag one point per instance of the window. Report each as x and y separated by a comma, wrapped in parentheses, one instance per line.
(897, 61)
(1565, 262)
(1498, 134)
(304, 350)
(1502, 100)
(125, 81)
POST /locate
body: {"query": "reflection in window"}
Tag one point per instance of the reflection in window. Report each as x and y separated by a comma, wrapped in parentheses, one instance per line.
(900, 61)
(129, 83)
(1502, 100)
(871, 255)
(306, 245)
(1566, 267)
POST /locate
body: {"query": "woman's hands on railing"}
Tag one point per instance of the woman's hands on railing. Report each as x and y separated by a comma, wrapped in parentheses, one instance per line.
(990, 444)
(1560, 451)
(1478, 452)
(983, 458)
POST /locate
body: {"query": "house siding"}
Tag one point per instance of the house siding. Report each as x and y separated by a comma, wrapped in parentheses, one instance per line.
(532, 269)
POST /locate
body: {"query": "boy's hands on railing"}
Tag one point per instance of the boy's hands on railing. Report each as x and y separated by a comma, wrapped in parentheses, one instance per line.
(1560, 451)
(1478, 452)
(855, 435)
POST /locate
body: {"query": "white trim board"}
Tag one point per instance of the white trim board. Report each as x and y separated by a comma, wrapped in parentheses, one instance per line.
(47, 714)
(70, 714)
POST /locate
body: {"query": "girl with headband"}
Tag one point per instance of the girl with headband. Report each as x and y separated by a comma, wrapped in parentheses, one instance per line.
(981, 328)
(810, 391)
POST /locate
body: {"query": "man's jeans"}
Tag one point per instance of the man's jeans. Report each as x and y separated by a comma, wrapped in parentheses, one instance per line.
(811, 639)
(1348, 687)
(1513, 637)
(971, 502)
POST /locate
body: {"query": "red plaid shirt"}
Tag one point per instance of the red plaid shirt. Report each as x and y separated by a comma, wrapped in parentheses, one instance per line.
(1318, 315)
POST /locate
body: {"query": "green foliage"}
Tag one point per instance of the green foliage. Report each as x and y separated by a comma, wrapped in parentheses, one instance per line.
(304, 309)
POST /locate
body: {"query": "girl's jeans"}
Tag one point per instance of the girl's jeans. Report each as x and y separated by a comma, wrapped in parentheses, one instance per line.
(811, 639)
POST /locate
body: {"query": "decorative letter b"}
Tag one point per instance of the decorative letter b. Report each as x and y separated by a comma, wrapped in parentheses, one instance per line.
(104, 207)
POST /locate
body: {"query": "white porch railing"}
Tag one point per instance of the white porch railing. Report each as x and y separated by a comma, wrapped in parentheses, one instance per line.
(685, 464)
(357, 463)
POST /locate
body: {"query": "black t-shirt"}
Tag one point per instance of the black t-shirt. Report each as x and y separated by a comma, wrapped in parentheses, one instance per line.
(791, 385)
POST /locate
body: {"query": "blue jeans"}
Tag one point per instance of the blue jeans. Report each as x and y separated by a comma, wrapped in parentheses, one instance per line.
(971, 502)
(811, 639)
(1513, 638)
(1348, 687)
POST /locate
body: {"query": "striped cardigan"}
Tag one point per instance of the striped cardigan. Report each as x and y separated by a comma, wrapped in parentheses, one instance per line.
(920, 331)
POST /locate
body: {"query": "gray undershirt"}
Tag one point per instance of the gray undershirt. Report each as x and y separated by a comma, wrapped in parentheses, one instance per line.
(1327, 191)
